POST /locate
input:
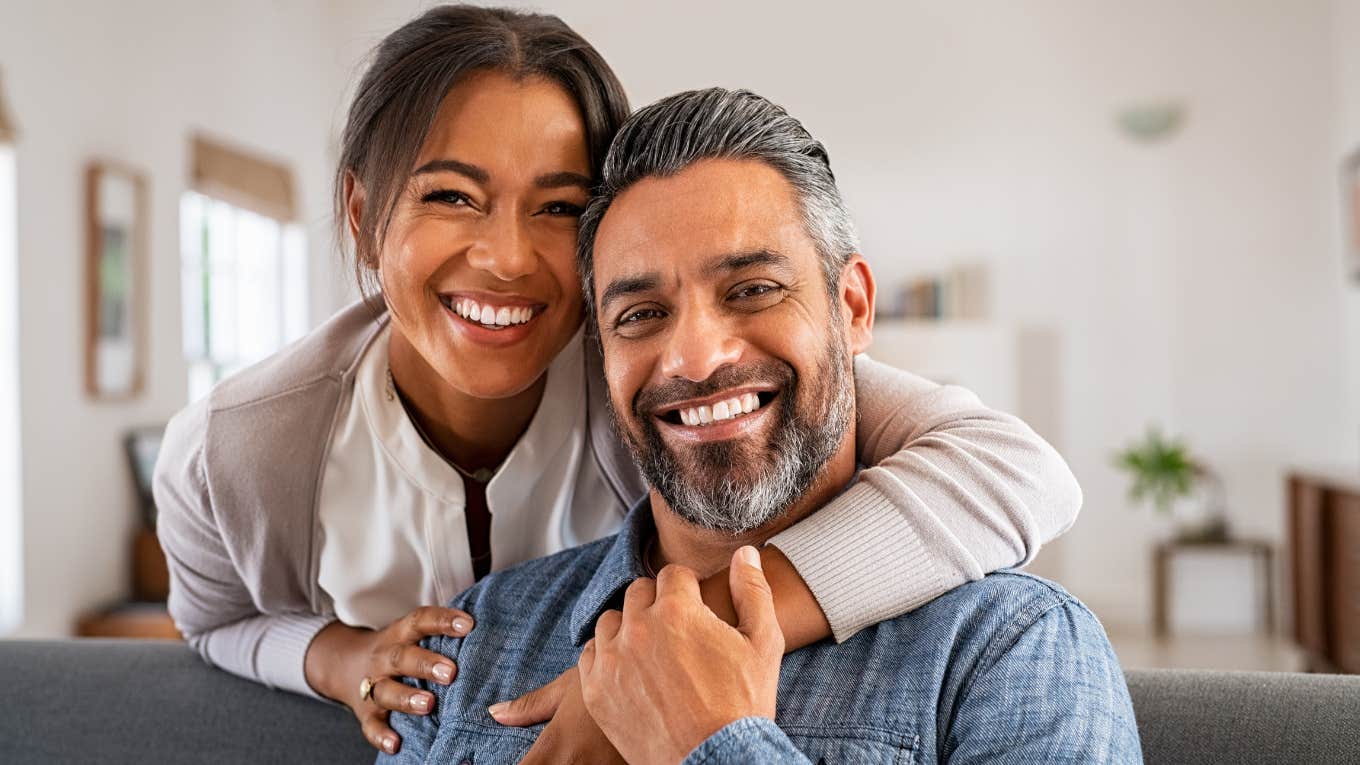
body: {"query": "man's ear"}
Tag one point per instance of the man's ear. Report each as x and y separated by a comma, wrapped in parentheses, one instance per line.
(354, 205)
(857, 303)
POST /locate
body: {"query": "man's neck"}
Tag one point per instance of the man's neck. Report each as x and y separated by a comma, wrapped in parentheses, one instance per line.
(707, 551)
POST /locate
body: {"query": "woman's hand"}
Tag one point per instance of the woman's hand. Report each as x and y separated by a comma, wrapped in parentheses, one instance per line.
(571, 736)
(341, 657)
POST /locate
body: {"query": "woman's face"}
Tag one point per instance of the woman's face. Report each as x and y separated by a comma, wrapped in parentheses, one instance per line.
(478, 265)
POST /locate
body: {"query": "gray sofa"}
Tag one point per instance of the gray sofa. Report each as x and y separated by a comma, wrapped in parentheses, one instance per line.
(155, 702)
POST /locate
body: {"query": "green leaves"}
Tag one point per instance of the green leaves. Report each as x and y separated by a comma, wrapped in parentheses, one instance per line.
(1162, 470)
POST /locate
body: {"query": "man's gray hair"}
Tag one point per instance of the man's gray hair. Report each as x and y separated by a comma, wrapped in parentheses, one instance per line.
(668, 136)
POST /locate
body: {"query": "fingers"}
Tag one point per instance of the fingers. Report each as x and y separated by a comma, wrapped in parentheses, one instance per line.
(678, 582)
(753, 600)
(586, 662)
(607, 626)
(432, 620)
(396, 696)
(377, 732)
(536, 706)
(639, 595)
(406, 660)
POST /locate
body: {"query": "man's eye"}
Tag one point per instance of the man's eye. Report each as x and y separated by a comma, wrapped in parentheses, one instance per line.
(448, 197)
(566, 209)
(754, 291)
(639, 316)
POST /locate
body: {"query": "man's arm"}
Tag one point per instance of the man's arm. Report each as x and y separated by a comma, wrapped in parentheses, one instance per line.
(1050, 690)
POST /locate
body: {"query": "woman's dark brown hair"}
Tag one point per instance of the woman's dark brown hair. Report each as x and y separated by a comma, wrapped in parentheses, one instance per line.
(417, 65)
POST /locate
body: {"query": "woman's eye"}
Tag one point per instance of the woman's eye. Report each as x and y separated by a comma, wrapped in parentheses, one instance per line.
(447, 197)
(564, 208)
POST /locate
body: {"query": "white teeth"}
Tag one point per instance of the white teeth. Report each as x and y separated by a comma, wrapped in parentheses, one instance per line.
(723, 410)
(705, 415)
(720, 411)
(749, 403)
(492, 316)
(684, 417)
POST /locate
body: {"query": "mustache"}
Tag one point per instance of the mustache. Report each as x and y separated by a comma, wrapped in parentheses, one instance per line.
(651, 398)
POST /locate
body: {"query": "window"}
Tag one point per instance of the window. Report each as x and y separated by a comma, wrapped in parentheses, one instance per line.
(244, 266)
(11, 518)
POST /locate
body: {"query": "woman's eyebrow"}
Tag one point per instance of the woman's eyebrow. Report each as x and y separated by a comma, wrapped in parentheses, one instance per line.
(454, 166)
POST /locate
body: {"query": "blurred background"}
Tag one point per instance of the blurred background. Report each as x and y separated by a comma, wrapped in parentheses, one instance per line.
(1136, 225)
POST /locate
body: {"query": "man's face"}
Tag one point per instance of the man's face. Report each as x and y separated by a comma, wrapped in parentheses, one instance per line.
(729, 359)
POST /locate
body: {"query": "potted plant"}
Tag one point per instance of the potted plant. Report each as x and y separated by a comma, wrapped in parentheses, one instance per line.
(1167, 477)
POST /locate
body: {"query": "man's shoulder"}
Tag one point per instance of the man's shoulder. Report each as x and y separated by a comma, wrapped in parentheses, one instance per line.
(1007, 601)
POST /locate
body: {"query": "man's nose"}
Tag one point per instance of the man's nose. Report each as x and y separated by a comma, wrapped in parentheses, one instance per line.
(699, 343)
(504, 247)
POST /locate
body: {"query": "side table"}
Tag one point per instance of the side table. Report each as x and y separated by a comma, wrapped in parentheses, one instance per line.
(1263, 553)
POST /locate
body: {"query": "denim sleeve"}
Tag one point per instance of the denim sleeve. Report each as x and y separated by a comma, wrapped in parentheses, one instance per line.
(1051, 691)
(418, 732)
(753, 740)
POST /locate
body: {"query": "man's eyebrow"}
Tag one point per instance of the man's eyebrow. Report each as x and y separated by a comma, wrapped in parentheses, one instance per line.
(454, 166)
(562, 180)
(629, 285)
(725, 264)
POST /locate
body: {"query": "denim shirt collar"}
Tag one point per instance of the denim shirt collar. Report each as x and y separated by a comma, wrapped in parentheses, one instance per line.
(622, 564)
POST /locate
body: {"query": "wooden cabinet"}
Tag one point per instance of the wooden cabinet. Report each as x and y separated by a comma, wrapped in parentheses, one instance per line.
(1324, 542)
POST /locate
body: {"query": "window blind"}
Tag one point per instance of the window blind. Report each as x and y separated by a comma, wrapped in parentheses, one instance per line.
(243, 179)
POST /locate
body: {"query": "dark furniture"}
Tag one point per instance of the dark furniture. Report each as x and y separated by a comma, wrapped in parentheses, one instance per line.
(1324, 545)
(120, 701)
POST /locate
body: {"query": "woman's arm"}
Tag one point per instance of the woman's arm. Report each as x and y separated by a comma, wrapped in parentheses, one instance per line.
(954, 491)
(209, 602)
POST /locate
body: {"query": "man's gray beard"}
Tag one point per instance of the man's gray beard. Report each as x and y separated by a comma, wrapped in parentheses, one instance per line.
(801, 442)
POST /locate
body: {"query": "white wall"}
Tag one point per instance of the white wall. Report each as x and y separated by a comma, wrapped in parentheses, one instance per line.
(1192, 283)
(1346, 44)
(131, 80)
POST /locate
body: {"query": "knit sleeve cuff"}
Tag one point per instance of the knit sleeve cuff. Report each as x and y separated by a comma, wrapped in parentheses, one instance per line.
(280, 659)
(862, 560)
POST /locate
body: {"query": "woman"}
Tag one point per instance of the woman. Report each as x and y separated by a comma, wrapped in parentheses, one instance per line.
(317, 507)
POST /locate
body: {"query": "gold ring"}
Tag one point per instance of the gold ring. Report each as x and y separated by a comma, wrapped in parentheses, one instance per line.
(366, 690)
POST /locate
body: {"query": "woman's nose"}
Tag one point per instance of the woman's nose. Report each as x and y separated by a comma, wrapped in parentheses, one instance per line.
(505, 248)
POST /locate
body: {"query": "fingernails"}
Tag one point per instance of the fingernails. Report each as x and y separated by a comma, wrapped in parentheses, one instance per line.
(420, 702)
(390, 744)
(496, 710)
(443, 673)
(462, 626)
(750, 557)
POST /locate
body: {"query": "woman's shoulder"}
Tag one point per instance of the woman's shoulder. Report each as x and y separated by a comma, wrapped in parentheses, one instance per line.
(327, 353)
(259, 429)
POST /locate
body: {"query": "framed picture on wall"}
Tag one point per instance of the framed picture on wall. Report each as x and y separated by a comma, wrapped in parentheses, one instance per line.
(1350, 191)
(116, 232)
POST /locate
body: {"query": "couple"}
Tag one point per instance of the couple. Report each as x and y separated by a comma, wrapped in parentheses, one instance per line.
(316, 508)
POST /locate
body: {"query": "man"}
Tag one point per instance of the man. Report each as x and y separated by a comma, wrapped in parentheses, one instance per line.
(721, 276)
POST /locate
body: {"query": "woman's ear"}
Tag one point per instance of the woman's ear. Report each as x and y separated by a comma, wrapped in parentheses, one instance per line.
(354, 206)
(857, 303)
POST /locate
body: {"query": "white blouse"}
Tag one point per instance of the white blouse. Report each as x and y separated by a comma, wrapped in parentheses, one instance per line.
(394, 535)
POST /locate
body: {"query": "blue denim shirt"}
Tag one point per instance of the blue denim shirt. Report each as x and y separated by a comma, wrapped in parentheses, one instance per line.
(1010, 668)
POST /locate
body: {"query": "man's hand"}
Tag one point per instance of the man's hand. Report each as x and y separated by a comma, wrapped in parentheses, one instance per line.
(666, 674)
(571, 737)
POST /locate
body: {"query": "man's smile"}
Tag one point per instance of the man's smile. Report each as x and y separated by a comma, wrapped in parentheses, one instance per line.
(729, 414)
